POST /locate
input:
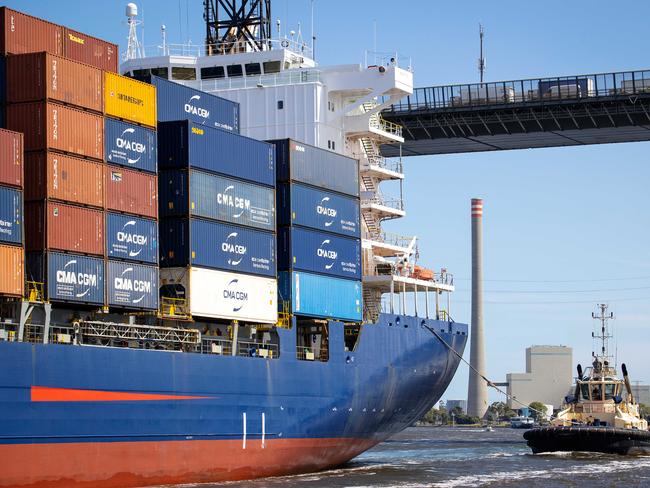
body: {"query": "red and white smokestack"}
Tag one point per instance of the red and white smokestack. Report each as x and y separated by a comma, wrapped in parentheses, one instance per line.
(477, 394)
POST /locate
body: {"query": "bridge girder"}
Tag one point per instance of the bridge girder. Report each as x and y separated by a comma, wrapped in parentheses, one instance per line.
(596, 120)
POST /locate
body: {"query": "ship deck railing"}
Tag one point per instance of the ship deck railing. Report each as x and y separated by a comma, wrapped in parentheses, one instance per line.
(189, 49)
(216, 345)
(257, 349)
(309, 354)
(287, 77)
(526, 91)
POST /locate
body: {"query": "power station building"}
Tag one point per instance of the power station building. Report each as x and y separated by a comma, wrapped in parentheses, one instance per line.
(548, 377)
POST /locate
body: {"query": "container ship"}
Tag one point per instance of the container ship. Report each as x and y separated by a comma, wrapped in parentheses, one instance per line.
(195, 283)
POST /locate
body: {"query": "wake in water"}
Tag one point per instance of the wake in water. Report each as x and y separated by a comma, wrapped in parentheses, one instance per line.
(449, 458)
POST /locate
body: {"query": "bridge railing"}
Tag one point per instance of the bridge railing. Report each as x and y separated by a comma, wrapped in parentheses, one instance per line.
(562, 88)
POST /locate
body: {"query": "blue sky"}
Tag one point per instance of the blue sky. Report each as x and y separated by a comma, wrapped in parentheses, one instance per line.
(559, 223)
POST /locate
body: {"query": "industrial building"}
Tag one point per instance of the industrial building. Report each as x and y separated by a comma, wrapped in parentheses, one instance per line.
(548, 377)
(451, 404)
(641, 393)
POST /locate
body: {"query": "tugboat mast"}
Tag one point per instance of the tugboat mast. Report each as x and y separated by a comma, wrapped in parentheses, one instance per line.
(604, 336)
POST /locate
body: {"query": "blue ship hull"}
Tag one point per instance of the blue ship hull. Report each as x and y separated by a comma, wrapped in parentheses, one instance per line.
(100, 416)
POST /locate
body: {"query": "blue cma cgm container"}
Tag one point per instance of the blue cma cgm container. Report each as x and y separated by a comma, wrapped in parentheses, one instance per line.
(315, 295)
(318, 209)
(11, 215)
(184, 144)
(130, 145)
(198, 242)
(70, 277)
(314, 166)
(178, 102)
(319, 252)
(131, 238)
(216, 197)
(132, 286)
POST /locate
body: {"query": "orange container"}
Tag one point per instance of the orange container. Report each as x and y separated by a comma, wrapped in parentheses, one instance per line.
(49, 125)
(62, 227)
(42, 76)
(59, 177)
(11, 158)
(131, 192)
(22, 33)
(12, 271)
(90, 50)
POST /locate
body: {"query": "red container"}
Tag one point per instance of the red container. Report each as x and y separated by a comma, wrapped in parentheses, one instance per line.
(58, 226)
(53, 126)
(23, 33)
(42, 76)
(131, 192)
(59, 177)
(90, 50)
(12, 274)
(11, 158)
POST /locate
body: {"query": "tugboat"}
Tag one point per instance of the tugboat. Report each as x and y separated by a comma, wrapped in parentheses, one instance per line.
(596, 418)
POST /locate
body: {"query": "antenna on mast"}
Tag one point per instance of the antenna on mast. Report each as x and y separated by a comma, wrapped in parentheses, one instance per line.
(604, 336)
(133, 48)
(481, 59)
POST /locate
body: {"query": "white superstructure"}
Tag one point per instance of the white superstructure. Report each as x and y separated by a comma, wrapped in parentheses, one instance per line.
(284, 94)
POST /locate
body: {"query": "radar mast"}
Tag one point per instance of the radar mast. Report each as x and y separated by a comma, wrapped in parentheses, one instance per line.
(235, 26)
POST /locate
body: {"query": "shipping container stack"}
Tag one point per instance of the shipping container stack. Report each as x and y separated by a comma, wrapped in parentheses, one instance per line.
(12, 253)
(319, 245)
(217, 208)
(59, 85)
(131, 194)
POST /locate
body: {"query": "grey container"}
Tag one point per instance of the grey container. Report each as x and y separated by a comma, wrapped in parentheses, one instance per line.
(132, 286)
(216, 197)
(314, 166)
(184, 144)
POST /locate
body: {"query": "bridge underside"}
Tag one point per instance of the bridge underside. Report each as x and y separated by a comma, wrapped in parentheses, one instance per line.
(593, 120)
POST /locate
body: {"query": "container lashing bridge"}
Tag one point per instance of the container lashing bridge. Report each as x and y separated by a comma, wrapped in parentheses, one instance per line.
(521, 114)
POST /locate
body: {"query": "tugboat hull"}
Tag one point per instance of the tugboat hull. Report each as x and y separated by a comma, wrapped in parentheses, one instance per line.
(586, 438)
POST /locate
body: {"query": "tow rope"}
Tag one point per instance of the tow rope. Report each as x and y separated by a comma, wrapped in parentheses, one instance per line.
(489, 383)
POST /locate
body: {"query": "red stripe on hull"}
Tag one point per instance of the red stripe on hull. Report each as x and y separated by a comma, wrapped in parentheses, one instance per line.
(132, 464)
(47, 394)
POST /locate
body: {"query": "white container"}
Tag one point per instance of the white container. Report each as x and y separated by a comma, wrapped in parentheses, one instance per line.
(222, 295)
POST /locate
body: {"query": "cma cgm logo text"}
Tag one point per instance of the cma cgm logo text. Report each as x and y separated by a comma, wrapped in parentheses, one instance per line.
(228, 199)
(231, 247)
(323, 252)
(300, 148)
(128, 236)
(125, 283)
(67, 276)
(123, 142)
(324, 210)
(235, 295)
(191, 109)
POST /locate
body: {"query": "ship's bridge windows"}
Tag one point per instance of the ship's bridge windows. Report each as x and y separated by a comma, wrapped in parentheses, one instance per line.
(183, 73)
(610, 391)
(596, 392)
(161, 72)
(253, 69)
(213, 72)
(584, 390)
(272, 67)
(235, 70)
